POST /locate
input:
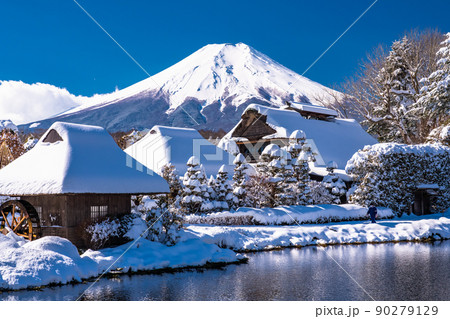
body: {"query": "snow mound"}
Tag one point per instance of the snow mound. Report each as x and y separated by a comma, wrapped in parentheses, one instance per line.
(55, 260)
(49, 260)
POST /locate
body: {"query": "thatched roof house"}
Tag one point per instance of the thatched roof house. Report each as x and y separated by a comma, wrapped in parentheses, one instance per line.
(163, 145)
(332, 138)
(76, 174)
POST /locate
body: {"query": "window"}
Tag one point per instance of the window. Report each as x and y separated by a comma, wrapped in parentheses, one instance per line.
(98, 212)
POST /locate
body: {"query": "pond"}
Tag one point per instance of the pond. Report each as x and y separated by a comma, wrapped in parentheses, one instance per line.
(401, 271)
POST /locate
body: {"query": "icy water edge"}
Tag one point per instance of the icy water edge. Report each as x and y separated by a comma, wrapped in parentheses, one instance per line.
(391, 271)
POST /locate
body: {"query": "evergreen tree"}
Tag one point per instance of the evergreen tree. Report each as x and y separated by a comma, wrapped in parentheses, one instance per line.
(170, 174)
(334, 184)
(297, 141)
(212, 193)
(434, 102)
(223, 190)
(394, 119)
(164, 220)
(240, 179)
(207, 205)
(193, 192)
(301, 173)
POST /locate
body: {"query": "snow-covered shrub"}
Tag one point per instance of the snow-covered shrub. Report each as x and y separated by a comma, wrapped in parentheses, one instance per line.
(319, 194)
(440, 134)
(335, 185)
(259, 191)
(163, 220)
(388, 175)
(107, 231)
(289, 215)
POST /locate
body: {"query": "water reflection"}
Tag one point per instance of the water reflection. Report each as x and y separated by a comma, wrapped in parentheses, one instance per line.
(405, 271)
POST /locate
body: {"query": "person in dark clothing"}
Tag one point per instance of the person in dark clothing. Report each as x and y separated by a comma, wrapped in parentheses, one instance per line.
(372, 212)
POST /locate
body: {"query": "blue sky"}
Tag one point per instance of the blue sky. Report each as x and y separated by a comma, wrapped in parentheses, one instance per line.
(53, 41)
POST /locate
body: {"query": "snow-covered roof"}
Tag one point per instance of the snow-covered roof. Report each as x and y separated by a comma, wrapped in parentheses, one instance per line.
(8, 124)
(335, 140)
(313, 109)
(175, 145)
(73, 158)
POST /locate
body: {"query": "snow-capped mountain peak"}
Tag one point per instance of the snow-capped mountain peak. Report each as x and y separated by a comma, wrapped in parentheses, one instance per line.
(213, 85)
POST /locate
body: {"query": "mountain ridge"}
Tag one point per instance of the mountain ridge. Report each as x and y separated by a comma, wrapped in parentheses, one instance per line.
(209, 89)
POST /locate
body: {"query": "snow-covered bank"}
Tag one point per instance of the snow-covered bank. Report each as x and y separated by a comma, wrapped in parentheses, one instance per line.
(288, 215)
(254, 238)
(54, 260)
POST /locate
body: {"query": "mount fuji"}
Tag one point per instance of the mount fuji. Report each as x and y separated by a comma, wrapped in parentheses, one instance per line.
(207, 90)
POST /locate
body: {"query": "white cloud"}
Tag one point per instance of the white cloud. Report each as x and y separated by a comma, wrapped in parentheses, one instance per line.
(23, 103)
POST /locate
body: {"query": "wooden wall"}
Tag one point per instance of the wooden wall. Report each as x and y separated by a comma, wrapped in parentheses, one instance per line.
(65, 215)
(253, 126)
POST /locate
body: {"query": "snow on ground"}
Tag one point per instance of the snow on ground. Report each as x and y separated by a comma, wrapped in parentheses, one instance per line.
(288, 215)
(53, 260)
(243, 238)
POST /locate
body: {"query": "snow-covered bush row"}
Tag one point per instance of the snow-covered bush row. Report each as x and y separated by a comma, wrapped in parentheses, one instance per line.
(255, 238)
(55, 260)
(388, 174)
(288, 215)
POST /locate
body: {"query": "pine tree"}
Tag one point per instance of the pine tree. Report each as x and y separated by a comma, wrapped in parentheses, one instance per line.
(240, 179)
(223, 190)
(288, 184)
(170, 174)
(297, 141)
(394, 119)
(434, 102)
(301, 173)
(193, 199)
(334, 184)
(212, 194)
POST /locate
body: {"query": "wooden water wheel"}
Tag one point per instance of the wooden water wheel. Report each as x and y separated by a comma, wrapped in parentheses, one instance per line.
(20, 217)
